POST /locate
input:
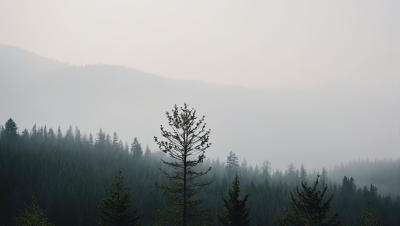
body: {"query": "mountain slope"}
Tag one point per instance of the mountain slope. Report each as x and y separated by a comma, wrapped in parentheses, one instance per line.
(316, 127)
(16, 63)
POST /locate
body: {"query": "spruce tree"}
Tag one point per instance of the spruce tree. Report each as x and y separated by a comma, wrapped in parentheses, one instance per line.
(51, 136)
(188, 139)
(303, 174)
(78, 136)
(59, 135)
(308, 208)
(266, 169)
(91, 142)
(232, 163)
(323, 177)
(235, 213)
(369, 218)
(10, 131)
(69, 135)
(115, 142)
(32, 215)
(136, 149)
(148, 151)
(100, 142)
(291, 171)
(116, 204)
(243, 166)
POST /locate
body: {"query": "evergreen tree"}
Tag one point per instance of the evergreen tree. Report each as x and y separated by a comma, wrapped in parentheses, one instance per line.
(115, 142)
(323, 177)
(291, 171)
(51, 136)
(235, 213)
(126, 148)
(188, 138)
(25, 136)
(116, 204)
(250, 170)
(303, 174)
(256, 171)
(32, 215)
(148, 151)
(369, 218)
(78, 136)
(136, 149)
(91, 143)
(308, 209)
(120, 145)
(69, 135)
(108, 141)
(348, 186)
(232, 163)
(59, 135)
(33, 132)
(100, 143)
(10, 131)
(266, 169)
(45, 134)
(1, 130)
(243, 166)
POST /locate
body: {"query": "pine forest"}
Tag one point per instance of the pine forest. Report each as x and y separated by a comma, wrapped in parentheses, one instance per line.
(67, 177)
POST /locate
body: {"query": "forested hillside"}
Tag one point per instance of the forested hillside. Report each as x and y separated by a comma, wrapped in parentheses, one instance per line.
(69, 174)
(332, 123)
(383, 173)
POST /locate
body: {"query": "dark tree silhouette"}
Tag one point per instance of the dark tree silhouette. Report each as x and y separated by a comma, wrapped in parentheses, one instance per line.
(136, 149)
(232, 163)
(266, 169)
(188, 138)
(303, 174)
(31, 215)
(235, 213)
(308, 209)
(116, 204)
(369, 218)
(10, 131)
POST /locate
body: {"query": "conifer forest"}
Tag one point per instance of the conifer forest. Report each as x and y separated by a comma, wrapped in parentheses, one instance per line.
(64, 177)
(199, 113)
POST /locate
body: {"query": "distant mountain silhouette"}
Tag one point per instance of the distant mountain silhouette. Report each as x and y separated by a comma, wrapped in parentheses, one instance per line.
(316, 127)
(18, 63)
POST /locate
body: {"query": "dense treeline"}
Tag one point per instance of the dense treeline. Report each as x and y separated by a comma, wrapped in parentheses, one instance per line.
(383, 173)
(70, 174)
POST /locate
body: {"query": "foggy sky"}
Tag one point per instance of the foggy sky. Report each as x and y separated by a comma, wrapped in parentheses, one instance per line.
(264, 44)
(293, 50)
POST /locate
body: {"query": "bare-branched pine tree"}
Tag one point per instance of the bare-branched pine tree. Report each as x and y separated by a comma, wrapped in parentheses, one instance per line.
(187, 140)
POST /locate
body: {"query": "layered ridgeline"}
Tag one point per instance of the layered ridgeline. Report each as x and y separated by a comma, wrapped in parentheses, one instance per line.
(69, 173)
(330, 124)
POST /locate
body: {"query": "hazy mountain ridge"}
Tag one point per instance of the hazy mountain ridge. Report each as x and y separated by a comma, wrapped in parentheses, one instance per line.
(281, 126)
(16, 63)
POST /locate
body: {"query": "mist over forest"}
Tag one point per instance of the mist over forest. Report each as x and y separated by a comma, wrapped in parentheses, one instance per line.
(78, 125)
(199, 113)
(330, 124)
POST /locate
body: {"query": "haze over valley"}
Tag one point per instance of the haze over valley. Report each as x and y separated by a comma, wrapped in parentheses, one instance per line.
(296, 94)
(317, 127)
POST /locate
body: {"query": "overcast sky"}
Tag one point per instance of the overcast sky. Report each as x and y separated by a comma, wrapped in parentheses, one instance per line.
(263, 44)
(325, 57)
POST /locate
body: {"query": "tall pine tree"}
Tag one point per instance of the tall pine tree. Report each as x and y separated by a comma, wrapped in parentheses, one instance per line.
(188, 138)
